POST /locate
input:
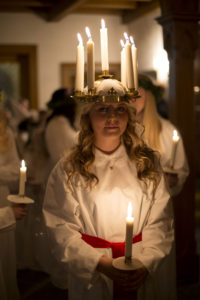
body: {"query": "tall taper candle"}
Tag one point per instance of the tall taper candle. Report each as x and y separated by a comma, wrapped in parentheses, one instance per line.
(123, 64)
(135, 62)
(90, 60)
(129, 63)
(175, 139)
(79, 83)
(104, 47)
(129, 235)
(22, 179)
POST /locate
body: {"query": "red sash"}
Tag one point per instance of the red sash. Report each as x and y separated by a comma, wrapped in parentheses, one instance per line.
(118, 249)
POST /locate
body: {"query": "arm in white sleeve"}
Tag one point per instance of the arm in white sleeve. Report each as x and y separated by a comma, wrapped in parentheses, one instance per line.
(7, 217)
(64, 225)
(158, 232)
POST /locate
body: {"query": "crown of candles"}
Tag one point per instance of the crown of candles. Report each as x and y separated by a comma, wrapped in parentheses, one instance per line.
(105, 88)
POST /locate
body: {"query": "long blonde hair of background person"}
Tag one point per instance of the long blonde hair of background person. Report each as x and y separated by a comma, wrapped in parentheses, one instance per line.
(151, 122)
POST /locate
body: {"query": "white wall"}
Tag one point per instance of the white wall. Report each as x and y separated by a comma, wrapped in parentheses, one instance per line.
(148, 38)
(57, 42)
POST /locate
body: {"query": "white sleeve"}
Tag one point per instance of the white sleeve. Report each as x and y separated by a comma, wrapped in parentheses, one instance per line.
(158, 232)
(7, 217)
(61, 212)
(60, 137)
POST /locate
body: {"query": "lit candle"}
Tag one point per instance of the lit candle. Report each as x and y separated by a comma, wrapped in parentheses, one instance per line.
(135, 64)
(175, 139)
(79, 83)
(123, 64)
(90, 60)
(22, 179)
(129, 63)
(129, 234)
(104, 47)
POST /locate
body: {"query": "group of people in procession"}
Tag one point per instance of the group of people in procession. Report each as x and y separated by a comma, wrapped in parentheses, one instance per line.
(82, 180)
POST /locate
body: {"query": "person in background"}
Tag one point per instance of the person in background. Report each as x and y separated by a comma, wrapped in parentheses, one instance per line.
(9, 213)
(60, 133)
(86, 200)
(158, 134)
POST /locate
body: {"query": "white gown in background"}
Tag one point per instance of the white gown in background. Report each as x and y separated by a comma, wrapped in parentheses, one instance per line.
(180, 164)
(9, 172)
(59, 138)
(102, 213)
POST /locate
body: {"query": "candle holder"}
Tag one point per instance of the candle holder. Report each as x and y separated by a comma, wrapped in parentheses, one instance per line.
(131, 264)
(115, 91)
(20, 199)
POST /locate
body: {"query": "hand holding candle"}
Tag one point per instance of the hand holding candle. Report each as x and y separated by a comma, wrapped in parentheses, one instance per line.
(90, 60)
(79, 84)
(129, 235)
(22, 179)
(104, 47)
(175, 140)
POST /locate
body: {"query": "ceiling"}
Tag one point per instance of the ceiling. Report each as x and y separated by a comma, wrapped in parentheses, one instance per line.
(55, 10)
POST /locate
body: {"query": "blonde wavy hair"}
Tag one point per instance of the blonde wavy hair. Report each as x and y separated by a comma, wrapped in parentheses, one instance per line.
(5, 141)
(151, 122)
(80, 160)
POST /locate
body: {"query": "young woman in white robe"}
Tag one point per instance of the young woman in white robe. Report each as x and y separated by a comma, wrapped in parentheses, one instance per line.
(9, 172)
(158, 135)
(88, 194)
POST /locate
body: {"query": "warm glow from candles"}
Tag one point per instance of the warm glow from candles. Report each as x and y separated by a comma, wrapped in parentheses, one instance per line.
(103, 23)
(80, 39)
(87, 30)
(126, 36)
(23, 165)
(175, 136)
(129, 212)
(122, 43)
(132, 40)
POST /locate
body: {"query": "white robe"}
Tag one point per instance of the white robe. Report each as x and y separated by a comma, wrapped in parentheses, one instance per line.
(180, 163)
(9, 171)
(102, 213)
(59, 138)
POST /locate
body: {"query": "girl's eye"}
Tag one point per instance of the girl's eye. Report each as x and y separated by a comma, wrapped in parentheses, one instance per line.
(121, 109)
(103, 109)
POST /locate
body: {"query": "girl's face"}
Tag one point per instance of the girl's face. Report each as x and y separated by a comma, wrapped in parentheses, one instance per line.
(109, 119)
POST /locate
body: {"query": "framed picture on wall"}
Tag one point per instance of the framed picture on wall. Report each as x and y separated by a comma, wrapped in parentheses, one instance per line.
(68, 73)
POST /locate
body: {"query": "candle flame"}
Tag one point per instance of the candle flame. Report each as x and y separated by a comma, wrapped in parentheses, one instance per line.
(126, 36)
(87, 30)
(132, 40)
(23, 164)
(103, 23)
(79, 38)
(122, 43)
(129, 211)
(175, 136)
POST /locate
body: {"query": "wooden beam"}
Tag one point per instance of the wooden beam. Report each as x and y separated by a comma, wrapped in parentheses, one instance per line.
(110, 5)
(140, 11)
(63, 8)
(25, 3)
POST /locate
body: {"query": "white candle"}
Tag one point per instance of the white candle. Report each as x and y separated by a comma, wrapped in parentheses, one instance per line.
(175, 139)
(104, 47)
(135, 62)
(90, 60)
(79, 83)
(129, 234)
(22, 179)
(129, 63)
(123, 64)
